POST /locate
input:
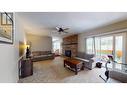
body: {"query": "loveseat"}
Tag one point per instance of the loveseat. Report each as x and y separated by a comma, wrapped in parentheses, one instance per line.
(87, 59)
(42, 55)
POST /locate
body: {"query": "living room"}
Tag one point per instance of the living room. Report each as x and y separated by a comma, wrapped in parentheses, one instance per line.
(63, 47)
(47, 39)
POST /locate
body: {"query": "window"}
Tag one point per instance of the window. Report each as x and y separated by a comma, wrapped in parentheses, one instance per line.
(90, 45)
(56, 45)
(103, 45)
(98, 46)
(113, 44)
(106, 45)
(118, 51)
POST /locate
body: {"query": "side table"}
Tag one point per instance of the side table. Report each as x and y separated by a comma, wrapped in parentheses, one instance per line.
(25, 67)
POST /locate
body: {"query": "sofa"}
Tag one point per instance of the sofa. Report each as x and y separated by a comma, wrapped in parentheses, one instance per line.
(42, 55)
(120, 76)
(87, 59)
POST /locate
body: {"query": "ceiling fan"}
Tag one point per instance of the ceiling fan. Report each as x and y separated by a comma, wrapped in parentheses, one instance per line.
(61, 30)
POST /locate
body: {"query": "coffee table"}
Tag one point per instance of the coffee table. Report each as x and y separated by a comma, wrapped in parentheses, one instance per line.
(74, 64)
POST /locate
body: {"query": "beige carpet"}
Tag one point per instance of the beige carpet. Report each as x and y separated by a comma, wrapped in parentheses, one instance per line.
(52, 71)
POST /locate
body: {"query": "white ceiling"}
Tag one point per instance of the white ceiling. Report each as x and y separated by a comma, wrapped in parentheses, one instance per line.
(44, 23)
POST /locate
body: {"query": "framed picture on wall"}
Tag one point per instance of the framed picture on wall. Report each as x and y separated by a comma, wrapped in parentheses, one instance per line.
(6, 28)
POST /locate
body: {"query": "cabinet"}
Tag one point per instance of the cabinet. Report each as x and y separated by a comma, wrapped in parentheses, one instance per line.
(25, 67)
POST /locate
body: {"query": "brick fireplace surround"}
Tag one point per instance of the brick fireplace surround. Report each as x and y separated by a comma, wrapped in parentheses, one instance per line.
(70, 43)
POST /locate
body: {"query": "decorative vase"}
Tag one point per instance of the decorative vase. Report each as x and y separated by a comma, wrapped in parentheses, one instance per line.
(27, 52)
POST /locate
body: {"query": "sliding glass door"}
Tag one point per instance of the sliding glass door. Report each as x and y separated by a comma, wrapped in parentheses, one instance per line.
(119, 47)
(113, 44)
(98, 46)
(103, 47)
(106, 45)
(90, 45)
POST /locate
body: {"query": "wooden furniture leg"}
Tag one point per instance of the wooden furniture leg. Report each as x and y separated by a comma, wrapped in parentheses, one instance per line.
(64, 63)
(76, 70)
(83, 66)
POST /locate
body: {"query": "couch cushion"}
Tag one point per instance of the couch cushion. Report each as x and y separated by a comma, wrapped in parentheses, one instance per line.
(85, 55)
(39, 56)
(88, 56)
(36, 53)
(49, 55)
(45, 52)
(81, 54)
(82, 59)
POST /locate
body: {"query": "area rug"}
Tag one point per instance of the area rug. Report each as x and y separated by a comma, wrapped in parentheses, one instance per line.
(53, 71)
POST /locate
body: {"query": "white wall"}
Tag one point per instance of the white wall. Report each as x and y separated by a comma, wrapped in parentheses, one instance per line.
(9, 55)
(40, 43)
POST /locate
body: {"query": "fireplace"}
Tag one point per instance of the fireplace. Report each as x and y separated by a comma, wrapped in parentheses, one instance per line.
(70, 45)
(68, 53)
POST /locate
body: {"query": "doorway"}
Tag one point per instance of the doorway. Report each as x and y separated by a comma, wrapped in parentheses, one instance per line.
(57, 46)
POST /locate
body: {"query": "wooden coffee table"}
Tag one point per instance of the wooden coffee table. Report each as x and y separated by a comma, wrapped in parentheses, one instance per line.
(74, 64)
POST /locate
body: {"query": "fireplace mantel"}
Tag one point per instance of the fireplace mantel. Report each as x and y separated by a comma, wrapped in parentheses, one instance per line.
(70, 44)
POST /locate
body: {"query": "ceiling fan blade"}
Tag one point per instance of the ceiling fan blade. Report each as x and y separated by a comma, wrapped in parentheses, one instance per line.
(66, 28)
(57, 28)
(65, 32)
